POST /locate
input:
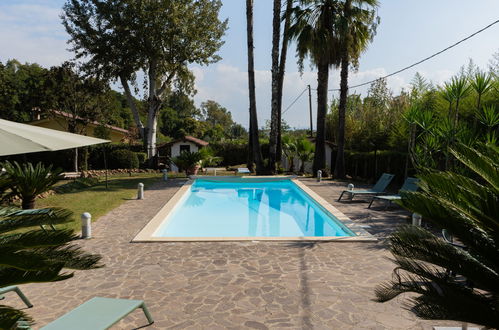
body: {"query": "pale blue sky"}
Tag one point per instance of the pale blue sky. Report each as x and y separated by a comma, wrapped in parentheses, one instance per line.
(30, 31)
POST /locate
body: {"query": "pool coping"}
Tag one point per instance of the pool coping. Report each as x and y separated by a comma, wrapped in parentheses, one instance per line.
(146, 233)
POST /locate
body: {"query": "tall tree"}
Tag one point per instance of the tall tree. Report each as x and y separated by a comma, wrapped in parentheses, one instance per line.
(312, 28)
(119, 38)
(274, 117)
(356, 27)
(255, 154)
(282, 69)
(84, 99)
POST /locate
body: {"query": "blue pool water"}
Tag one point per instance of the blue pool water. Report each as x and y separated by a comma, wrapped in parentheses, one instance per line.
(249, 209)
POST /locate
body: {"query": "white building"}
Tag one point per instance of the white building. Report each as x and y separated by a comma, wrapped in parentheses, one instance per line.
(188, 143)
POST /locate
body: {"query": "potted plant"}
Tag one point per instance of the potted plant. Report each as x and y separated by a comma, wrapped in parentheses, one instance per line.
(190, 162)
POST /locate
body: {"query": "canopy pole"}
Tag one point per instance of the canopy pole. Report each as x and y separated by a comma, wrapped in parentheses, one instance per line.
(105, 166)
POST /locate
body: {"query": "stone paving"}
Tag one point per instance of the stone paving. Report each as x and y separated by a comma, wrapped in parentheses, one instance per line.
(234, 285)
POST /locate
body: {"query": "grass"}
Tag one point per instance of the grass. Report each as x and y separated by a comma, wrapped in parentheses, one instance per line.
(96, 199)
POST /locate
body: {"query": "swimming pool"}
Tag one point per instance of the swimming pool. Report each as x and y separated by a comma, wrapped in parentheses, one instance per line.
(246, 209)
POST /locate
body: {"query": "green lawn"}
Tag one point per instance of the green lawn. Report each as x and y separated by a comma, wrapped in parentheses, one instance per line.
(96, 199)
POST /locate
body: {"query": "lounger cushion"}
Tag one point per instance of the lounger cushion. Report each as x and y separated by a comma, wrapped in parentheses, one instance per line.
(389, 197)
(96, 313)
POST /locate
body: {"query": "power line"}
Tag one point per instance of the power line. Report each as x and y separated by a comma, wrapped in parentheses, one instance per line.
(289, 106)
(403, 69)
(423, 60)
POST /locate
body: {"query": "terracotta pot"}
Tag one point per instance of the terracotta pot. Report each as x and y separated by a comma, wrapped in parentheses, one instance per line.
(193, 170)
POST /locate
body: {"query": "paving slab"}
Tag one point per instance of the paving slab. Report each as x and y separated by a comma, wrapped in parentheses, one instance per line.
(234, 285)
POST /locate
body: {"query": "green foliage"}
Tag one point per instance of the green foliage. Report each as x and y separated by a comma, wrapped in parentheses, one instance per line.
(209, 158)
(187, 161)
(29, 255)
(27, 181)
(85, 98)
(452, 282)
(120, 38)
(123, 158)
(141, 157)
(21, 90)
(304, 151)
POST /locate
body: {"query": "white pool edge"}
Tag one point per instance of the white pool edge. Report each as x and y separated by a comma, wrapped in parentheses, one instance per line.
(148, 231)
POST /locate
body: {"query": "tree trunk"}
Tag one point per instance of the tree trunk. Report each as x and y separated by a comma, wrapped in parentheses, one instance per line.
(339, 169)
(274, 117)
(133, 107)
(28, 203)
(320, 139)
(251, 160)
(282, 67)
(253, 134)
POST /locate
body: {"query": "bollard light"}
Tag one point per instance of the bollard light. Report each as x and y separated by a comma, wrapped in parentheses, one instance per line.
(86, 225)
(416, 219)
(319, 176)
(165, 175)
(140, 191)
(350, 186)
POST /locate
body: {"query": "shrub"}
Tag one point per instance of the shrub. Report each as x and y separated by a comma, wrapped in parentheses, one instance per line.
(451, 281)
(367, 165)
(141, 156)
(27, 181)
(123, 159)
(187, 161)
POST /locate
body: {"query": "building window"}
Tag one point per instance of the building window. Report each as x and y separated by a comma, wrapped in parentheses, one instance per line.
(185, 147)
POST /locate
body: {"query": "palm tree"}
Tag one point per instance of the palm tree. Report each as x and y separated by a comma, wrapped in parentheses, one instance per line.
(35, 255)
(459, 88)
(356, 27)
(312, 28)
(289, 150)
(27, 181)
(452, 282)
(255, 153)
(304, 151)
(282, 68)
(274, 116)
(481, 84)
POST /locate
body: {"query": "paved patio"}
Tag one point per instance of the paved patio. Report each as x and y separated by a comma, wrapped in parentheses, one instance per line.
(234, 285)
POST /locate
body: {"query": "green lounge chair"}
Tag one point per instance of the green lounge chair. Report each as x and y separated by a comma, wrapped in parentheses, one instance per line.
(410, 184)
(98, 313)
(378, 188)
(19, 293)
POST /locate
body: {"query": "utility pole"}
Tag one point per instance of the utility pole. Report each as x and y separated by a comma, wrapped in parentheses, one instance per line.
(310, 110)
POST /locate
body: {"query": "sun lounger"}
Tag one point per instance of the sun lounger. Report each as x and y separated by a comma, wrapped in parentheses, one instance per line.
(378, 188)
(19, 293)
(243, 170)
(98, 313)
(410, 184)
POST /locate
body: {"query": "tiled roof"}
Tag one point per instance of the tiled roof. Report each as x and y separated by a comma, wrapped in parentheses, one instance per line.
(189, 138)
(68, 115)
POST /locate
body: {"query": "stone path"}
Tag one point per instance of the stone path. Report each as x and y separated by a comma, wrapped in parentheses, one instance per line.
(233, 285)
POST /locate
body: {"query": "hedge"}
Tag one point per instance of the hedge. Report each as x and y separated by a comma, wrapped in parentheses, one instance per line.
(234, 153)
(370, 165)
(123, 158)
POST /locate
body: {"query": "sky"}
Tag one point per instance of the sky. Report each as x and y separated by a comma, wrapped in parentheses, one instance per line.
(31, 31)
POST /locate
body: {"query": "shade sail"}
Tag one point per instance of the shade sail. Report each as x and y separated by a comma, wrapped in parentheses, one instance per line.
(17, 138)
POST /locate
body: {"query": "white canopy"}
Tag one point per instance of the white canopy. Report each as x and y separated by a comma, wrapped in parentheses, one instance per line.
(17, 138)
